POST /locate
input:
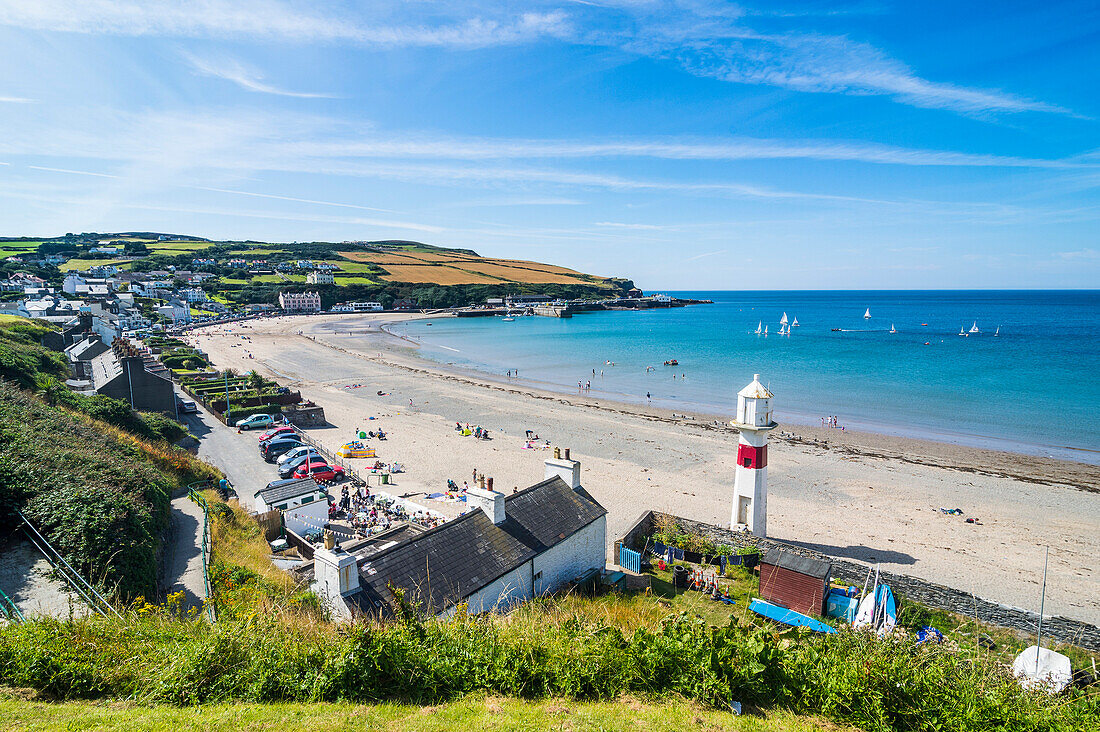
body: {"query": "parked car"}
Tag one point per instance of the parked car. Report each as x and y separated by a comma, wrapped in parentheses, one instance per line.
(319, 471)
(256, 421)
(277, 432)
(186, 407)
(272, 449)
(287, 469)
(297, 452)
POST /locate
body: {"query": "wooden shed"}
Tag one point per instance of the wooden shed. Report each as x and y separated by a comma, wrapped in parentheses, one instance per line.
(795, 582)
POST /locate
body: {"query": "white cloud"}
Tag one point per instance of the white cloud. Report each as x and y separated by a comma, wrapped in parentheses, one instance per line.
(621, 225)
(1087, 255)
(17, 100)
(71, 172)
(295, 200)
(239, 74)
(708, 254)
(295, 22)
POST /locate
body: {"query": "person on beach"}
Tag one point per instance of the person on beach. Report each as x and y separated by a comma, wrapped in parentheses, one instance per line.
(647, 396)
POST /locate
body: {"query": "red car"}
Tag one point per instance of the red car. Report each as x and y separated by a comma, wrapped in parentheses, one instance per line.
(319, 471)
(276, 431)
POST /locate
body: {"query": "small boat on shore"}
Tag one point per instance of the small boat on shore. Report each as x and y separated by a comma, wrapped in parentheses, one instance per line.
(788, 617)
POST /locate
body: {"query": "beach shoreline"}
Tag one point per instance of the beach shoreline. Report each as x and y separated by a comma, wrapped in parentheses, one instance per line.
(852, 495)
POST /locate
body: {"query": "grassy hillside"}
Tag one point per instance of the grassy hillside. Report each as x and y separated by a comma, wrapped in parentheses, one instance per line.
(381, 271)
(90, 472)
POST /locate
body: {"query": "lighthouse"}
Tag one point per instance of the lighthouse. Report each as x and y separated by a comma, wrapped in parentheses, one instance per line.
(750, 487)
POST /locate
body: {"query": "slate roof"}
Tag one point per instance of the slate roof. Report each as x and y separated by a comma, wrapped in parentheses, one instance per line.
(796, 563)
(446, 564)
(285, 492)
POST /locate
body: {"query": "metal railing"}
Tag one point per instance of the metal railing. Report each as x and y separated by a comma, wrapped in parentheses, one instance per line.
(9, 610)
(95, 600)
(194, 495)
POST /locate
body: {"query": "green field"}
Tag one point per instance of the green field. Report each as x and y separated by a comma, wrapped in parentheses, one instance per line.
(355, 281)
(346, 265)
(83, 264)
(178, 246)
(271, 278)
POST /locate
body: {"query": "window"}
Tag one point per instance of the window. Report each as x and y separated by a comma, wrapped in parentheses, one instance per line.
(748, 462)
(282, 507)
(537, 577)
(307, 499)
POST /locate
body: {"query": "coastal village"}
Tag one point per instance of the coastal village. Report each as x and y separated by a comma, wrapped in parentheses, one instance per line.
(359, 499)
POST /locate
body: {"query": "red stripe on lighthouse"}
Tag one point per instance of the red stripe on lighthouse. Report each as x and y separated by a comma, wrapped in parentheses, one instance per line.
(752, 457)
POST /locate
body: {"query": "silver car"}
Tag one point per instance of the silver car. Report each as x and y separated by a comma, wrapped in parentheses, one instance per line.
(295, 452)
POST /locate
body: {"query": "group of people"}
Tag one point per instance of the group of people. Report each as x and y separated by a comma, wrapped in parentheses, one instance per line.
(369, 514)
(477, 431)
(831, 421)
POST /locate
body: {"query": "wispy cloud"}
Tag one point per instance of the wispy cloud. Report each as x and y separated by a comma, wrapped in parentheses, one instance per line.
(236, 72)
(708, 254)
(295, 22)
(71, 172)
(1087, 255)
(16, 100)
(622, 225)
(291, 198)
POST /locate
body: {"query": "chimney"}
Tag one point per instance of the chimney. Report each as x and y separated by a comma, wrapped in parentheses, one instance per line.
(336, 573)
(564, 468)
(489, 501)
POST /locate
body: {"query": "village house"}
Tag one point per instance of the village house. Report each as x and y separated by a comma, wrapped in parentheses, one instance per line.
(506, 549)
(320, 278)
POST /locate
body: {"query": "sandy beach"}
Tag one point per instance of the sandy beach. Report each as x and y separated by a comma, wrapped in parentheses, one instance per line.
(866, 497)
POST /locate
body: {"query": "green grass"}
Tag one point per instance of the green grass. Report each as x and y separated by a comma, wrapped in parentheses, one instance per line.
(83, 264)
(343, 281)
(5, 318)
(346, 265)
(271, 278)
(178, 246)
(473, 713)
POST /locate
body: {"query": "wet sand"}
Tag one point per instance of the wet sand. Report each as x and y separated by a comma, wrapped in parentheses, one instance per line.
(862, 496)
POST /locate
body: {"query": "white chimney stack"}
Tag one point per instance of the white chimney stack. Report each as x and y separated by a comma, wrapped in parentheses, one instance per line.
(491, 502)
(337, 575)
(564, 468)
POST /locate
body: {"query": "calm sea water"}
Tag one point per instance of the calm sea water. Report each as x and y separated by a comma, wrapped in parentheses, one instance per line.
(1034, 388)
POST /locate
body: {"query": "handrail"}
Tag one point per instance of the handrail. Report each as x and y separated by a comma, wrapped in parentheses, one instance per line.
(95, 600)
(193, 493)
(9, 609)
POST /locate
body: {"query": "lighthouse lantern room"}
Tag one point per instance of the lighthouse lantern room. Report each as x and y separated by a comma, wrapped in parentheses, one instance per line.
(750, 493)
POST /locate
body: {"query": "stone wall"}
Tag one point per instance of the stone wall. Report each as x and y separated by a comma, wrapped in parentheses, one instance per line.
(927, 593)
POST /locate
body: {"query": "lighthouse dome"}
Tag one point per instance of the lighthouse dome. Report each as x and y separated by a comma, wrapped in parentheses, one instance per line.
(755, 390)
(754, 407)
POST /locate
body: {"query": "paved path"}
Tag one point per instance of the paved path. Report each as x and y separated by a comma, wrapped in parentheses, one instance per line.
(26, 577)
(183, 554)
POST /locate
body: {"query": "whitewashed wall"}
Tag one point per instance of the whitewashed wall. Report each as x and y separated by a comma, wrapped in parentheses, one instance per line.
(502, 594)
(572, 557)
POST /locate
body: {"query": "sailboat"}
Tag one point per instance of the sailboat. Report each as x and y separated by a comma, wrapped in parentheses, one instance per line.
(765, 331)
(893, 329)
(997, 332)
(974, 328)
(962, 330)
(759, 328)
(783, 320)
(867, 315)
(795, 323)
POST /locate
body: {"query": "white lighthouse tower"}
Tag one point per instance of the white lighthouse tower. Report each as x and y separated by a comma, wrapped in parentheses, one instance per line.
(750, 492)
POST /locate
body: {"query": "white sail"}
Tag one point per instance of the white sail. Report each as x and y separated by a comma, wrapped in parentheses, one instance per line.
(962, 330)
(759, 327)
(893, 329)
(974, 328)
(765, 330)
(998, 331)
(867, 315)
(795, 323)
(783, 320)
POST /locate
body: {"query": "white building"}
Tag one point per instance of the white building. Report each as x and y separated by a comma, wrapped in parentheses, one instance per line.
(178, 312)
(300, 302)
(366, 307)
(320, 278)
(504, 550)
(193, 294)
(304, 503)
(750, 491)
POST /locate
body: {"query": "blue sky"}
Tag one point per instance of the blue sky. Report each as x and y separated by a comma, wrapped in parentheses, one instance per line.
(690, 144)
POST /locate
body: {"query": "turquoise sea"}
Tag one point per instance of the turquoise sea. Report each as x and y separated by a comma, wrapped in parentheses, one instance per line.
(1035, 388)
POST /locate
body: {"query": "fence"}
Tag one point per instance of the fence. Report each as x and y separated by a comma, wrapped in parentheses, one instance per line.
(353, 475)
(194, 495)
(630, 560)
(9, 610)
(94, 600)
